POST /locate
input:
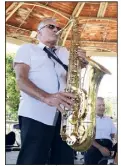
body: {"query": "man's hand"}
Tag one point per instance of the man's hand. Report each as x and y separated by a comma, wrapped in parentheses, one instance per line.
(82, 57)
(104, 151)
(56, 99)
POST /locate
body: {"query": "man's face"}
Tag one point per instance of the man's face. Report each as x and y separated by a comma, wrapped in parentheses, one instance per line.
(100, 107)
(48, 32)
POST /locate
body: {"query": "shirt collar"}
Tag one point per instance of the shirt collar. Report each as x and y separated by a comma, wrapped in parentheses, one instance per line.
(100, 117)
(41, 45)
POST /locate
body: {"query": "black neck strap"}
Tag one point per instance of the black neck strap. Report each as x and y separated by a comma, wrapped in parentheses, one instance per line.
(51, 55)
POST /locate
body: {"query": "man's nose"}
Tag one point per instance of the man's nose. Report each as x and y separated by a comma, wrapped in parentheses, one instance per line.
(55, 29)
(102, 106)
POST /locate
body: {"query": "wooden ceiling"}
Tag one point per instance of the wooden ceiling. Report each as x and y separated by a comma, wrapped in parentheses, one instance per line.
(97, 22)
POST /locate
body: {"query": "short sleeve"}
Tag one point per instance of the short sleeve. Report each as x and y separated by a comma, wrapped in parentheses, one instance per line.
(23, 55)
(113, 128)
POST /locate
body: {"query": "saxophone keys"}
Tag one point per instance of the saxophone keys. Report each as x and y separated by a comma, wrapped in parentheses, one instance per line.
(73, 119)
(71, 140)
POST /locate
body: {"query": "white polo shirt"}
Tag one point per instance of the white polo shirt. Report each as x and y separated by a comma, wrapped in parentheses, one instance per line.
(45, 74)
(104, 127)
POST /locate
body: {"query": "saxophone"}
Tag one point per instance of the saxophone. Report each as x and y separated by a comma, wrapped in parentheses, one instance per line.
(78, 124)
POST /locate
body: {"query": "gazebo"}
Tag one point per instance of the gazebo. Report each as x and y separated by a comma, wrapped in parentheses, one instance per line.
(97, 23)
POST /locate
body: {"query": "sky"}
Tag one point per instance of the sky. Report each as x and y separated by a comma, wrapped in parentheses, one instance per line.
(108, 85)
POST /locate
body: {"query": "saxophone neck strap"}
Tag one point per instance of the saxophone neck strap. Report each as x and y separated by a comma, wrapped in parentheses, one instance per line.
(51, 55)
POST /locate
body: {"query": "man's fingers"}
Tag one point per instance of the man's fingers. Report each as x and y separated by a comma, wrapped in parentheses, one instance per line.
(59, 108)
(82, 53)
(67, 94)
(65, 104)
(67, 100)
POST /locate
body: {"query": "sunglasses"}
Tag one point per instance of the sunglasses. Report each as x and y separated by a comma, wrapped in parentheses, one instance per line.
(50, 26)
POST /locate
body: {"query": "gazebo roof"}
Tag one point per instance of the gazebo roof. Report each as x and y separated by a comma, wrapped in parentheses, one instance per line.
(97, 22)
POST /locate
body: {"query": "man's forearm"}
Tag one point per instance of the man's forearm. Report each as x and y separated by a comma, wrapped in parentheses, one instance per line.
(31, 89)
(95, 144)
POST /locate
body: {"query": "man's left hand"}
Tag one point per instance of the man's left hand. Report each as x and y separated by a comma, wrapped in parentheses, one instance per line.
(82, 57)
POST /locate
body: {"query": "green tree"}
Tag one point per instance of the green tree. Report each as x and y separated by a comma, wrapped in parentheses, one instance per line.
(12, 94)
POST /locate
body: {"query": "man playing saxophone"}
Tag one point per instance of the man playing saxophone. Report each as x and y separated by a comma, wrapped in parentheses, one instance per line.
(42, 80)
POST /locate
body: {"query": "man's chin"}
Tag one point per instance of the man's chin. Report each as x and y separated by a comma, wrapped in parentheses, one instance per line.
(54, 41)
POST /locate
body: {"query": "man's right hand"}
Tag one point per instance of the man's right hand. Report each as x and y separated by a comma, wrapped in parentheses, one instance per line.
(104, 151)
(60, 98)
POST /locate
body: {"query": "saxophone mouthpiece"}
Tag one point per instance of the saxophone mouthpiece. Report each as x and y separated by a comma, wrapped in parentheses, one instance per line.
(72, 20)
(58, 32)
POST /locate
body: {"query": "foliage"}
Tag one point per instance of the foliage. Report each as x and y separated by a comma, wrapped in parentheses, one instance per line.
(109, 107)
(12, 94)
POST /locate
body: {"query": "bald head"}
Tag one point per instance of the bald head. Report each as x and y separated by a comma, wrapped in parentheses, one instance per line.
(47, 32)
(45, 22)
